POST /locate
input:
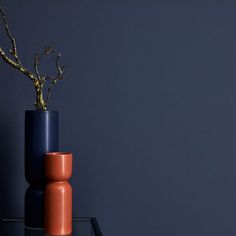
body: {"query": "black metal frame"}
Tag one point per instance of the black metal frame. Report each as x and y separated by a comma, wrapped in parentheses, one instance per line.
(92, 220)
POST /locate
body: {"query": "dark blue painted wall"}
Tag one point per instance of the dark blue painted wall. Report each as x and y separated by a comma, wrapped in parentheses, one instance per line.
(148, 109)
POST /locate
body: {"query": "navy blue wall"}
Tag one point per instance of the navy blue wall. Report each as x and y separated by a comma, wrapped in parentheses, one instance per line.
(148, 109)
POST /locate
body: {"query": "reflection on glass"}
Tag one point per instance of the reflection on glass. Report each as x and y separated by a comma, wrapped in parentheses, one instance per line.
(34, 232)
(16, 227)
(37, 232)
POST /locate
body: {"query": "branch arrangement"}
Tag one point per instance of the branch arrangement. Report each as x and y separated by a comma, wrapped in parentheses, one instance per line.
(39, 80)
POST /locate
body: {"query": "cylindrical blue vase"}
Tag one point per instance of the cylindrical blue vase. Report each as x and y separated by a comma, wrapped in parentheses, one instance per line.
(41, 136)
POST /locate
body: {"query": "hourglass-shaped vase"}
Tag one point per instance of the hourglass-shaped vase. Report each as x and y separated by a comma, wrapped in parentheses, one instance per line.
(58, 193)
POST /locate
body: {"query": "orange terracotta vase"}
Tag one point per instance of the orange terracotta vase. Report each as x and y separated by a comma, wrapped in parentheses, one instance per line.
(58, 194)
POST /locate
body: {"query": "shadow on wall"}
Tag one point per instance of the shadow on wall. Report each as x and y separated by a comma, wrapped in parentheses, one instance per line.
(11, 167)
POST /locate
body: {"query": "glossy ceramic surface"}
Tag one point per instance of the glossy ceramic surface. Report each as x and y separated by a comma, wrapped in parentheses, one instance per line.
(58, 166)
(58, 194)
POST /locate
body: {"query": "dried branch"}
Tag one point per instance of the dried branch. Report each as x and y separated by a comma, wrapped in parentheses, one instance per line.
(59, 76)
(36, 63)
(38, 80)
(17, 66)
(13, 51)
(48, 50)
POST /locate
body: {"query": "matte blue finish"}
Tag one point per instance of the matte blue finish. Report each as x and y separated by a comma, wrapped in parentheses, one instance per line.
(34, 207)
(41, 135)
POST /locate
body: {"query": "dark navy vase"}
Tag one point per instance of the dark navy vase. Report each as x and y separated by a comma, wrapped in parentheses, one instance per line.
(41, 136)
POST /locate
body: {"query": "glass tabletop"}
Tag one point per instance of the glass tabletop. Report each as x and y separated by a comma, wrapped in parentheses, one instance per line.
(82, 226)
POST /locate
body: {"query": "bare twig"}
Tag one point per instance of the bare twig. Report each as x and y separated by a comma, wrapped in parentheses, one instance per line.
(17, 66)
(13, 51)
(59, 76)
(38, 80)
(36, 62)
(48, 50)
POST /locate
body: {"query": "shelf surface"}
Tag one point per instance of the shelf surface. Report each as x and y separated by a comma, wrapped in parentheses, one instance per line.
(82, 226)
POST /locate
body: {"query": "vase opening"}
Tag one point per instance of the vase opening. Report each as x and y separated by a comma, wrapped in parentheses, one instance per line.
(55, 154)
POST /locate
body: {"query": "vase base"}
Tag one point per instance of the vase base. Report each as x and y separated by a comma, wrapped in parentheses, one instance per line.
(34, 207)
